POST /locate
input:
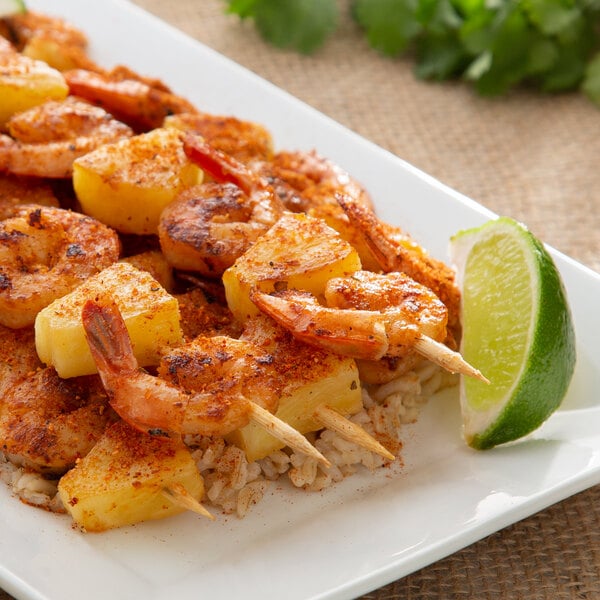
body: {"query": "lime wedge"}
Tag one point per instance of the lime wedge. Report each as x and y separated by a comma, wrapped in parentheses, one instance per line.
(11, 7)
(517, 329)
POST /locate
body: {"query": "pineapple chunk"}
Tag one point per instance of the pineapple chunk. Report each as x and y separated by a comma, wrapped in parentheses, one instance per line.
(62, 57)
(25, 83)
(156, 264)
(298, 252)
(124, 478)
(151, 316)
(310, 378)
(127, 184)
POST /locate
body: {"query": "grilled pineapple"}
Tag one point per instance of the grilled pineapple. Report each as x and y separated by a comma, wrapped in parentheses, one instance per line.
(156, 264)
(25, 83)
(128, 477)
(150, 313)
(127, 184)
(298, 252)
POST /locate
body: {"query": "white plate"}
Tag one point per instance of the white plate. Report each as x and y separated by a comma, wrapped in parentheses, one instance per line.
(369, 530)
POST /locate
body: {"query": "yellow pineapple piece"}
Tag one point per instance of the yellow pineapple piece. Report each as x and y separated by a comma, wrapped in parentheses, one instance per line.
(127, 478)
(156, 264)
(298, 252)
(25, 83)
(151, 316)
(127, 184)
(310, 377)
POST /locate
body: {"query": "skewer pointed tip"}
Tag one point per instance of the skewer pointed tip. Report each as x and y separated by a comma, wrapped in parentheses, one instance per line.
(332, 419)
(177, 494)
(286, 433)
(448, 359)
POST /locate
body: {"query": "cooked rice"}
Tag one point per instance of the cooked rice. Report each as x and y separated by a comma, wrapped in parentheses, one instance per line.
(234, 485)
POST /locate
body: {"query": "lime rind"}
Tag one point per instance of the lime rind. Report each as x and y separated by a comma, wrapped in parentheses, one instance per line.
(12, 7)
(540, 384)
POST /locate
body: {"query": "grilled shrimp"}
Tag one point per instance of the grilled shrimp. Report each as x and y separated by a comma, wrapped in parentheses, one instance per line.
(46, 139)
(50, 39)
(141, 102)
(47, 423)
(203, 387)
(209, 226)
(394, 250)
(15, 191)
(18, 357)
(308, 182)
(367, 315)
(44, 254)
(243, 140)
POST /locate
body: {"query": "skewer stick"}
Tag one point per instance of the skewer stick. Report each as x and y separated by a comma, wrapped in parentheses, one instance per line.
(446, 358)
(350, 431)
(177, 494)
(284, 432)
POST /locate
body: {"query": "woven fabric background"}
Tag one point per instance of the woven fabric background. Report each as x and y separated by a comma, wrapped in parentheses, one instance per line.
(529, 156)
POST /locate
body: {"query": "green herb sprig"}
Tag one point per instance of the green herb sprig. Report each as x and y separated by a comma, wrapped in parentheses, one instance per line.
(552, 45)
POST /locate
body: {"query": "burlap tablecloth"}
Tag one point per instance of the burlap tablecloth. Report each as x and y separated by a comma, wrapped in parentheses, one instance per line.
(529, 156)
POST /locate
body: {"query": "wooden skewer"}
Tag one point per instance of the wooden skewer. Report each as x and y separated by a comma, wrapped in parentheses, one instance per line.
(350, 431)
(284, 432)
(177, 494)
(446, 358)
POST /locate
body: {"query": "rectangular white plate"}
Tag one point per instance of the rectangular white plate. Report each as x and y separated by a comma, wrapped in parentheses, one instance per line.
(371, 529)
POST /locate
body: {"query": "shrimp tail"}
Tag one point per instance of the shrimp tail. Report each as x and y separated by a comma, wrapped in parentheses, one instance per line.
(220, 166)
(108, 339)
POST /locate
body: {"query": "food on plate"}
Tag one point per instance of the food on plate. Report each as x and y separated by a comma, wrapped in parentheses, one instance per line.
(298, 252)
(517, 326)
(128, 184)
(245, 141)
(151, 315)
(129, 477)
(45, 140)
(204, 314)
(47, 422)
(140, 102)
(24, 190)
(209, 226)
(26, 82)
(45, 253)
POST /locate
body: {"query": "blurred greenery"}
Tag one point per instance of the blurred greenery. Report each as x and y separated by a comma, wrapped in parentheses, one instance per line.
(552, 45)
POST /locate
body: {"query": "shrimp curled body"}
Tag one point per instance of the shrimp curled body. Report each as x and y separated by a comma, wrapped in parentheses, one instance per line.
(45, 253)
(367, 316)
(46, 139)
(203, 387)
(47, 423)
(209, 226)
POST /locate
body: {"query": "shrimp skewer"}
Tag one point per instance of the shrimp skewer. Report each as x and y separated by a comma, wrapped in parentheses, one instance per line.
(226, 370)
(368, 316)
(298, 363)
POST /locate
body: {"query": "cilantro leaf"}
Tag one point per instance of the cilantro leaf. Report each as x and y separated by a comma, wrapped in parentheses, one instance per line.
(440, 57)
(390, 24)
(591, 82)
(302, 25)
(551, 16)
(494, 44)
